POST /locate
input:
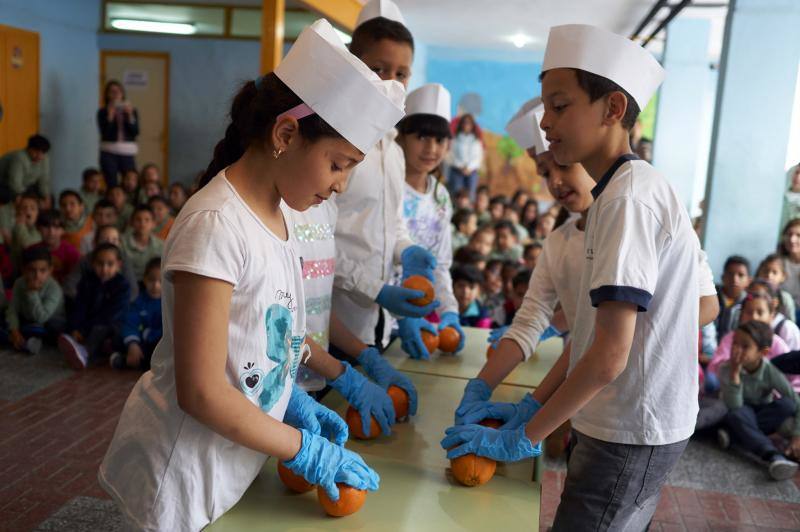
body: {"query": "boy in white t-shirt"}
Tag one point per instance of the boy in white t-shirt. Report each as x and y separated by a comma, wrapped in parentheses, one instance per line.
(631, 386)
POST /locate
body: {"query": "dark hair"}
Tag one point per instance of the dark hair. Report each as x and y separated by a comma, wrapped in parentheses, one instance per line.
(465, 255)
(106, 246)
(152, 264)
(460, 124)
(39, 143)
(89, 172)
(528, 247)
(377, 29)
(155, 199)
(499, 199)
(781, 248)
(523, 277)
(598, 86)
(760, 332)
(104, 204)
(425, 125)
(180, 186)
(253, 114)
(69, 192)
(99, 231)
(505, 224)
(772, 257)
(462, 216)
(31, 195)
(49, 218)
(512, 264)
(493, 264)
(760, 296)
(142, 207)
(736, 260)
(110, 83)
(466, 272)
(762, 286)
(482, 189)
(36, 252)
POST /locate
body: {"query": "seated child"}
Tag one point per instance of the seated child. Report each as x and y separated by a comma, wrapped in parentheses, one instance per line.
(65, 257)
(130, 185)
(8, 215)
(781, 325)
(465, 223)
(119, 199)
(139, 243)
(462, 201)
(544, 226)
(141, 331)
(519, 285)
(492, 289)
(530, 255)
(161, 215)
(76, 223)
(497, 207)
(465, 255)
(749, 382)
(36, 310)
(510, 270)
(482, 240)
(511, 214)
(99, 309)
(177, 197)
(91, 190)
(482, 205)
(467, 289)
(772, 270)
(735, 279)
(104, 213)
(25, 233)
(107, 234)
(506, 248)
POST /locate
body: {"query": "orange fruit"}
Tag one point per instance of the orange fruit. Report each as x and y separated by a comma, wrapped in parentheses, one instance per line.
(353, 420)
(448, 340)
(399, 400)
(473, 470)
(294, 482)
(490, 351)
(418, 282)
(491, 423)
(431, 341)
(350, 500)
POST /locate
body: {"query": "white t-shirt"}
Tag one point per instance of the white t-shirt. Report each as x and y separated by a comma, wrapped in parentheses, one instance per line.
(166, 470)
(641, 249)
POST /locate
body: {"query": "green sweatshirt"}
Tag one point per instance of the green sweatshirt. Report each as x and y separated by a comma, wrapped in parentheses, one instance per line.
(37, 307)
(757, 388)
(19, 172)
(140, 256)
(89, 199)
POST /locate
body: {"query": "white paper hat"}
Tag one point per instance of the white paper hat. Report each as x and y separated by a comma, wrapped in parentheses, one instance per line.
(606, 54)
(524, 126)
(338, 87)
(379, 8)
(430, 99)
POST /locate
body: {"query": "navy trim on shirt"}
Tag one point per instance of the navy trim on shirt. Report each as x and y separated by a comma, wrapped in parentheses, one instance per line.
(628, 294)
(601, 185)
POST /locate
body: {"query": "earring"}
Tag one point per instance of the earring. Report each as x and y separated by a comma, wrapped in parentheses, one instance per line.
(276, 153)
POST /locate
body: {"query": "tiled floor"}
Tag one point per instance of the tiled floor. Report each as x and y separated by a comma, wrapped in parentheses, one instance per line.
(53, 439)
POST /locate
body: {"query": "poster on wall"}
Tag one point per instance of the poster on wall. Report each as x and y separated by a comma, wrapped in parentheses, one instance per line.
(135, 78)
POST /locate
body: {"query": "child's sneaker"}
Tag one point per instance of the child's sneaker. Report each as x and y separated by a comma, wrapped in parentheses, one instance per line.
(117, 360)
(74, 353)
(33, 345)
(723, 438)
(781, 468)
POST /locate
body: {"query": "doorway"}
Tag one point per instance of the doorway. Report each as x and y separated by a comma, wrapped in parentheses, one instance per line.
(19, 87)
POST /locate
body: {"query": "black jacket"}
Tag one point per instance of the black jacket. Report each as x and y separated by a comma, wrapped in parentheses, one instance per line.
(108, 129)
(99, 303)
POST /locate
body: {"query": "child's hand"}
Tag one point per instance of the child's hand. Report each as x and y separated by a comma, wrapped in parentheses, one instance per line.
(78, 336)
(134, 356)
(794, 447)
(17, 340)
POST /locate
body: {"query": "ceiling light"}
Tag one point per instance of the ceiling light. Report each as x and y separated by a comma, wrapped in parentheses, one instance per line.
(343, 36)
(152, 26)
(520, 40)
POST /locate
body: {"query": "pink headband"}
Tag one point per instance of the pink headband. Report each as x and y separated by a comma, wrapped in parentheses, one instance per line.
(298, 112)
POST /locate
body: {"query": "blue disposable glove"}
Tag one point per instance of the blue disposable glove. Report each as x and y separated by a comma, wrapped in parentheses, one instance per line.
(476, 391)
(417, 260)
(513, 415)
(366, 397)
(549, 333)
(304, 412)
(385, 375)
(496, 335)
(395, 299)
(500, 445)
(324, 463)
(450, 319)
(411, 336)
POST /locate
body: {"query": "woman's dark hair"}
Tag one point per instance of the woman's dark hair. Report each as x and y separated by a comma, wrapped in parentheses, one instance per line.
(253, 114)
(760, 332)
(110, 84)
(794, 222)
(460, 125)
(425, 125)
(377, 29)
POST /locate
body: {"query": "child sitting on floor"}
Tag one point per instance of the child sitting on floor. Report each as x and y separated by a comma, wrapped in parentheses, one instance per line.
(142, 331)
(467, 289)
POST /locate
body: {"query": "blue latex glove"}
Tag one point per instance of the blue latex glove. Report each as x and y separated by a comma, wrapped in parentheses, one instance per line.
(395, 299)
(385, 375)
(476, 391)
(512, 414)
(411, 336)
(500, 445)
(366, 397)
(324, 463)
(496, 335)
(304, 412)
(417, 260)
(450, 319)
(549, 333)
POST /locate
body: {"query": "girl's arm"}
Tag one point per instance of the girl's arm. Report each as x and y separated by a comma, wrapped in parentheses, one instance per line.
(322, 362)
(201, 314)
(345, 340)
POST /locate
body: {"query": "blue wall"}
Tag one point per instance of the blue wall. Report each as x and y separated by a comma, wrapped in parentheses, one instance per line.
(68, 80)
(503, 80)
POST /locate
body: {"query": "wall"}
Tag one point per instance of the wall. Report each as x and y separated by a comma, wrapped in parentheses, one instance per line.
(204, 77)
(68, 79)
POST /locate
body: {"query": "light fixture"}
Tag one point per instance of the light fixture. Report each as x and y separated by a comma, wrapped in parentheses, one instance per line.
(343, 36)
(520, 40)
(152, 26)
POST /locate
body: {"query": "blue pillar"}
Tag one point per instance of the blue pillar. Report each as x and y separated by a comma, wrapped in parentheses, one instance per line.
(758, 75)
(679, 134)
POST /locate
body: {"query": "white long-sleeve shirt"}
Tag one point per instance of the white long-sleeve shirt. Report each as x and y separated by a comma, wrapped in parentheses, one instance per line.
(467, 152)
(370, 237)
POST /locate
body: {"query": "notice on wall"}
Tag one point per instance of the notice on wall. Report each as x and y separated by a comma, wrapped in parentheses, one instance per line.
(135, 78)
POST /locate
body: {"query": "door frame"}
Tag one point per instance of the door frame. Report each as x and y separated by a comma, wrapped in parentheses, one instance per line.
(141, 53)
(11, 29)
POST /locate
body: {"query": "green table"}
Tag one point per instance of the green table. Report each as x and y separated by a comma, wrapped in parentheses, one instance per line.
(468, 363)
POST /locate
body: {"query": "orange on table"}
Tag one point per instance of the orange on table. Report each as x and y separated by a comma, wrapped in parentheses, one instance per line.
(350, 500)
(399, 399)
(418, 282)
(293, 481)
(353, 420)
(492, 423)
(473, 470)
(449, 340)
(431, 341)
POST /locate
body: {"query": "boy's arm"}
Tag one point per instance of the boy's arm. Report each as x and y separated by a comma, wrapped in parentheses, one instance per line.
(16, 175)
(345, 340)
(44, 303)
(732, 390)
(781, 384)
(600, 365)
(554, 378)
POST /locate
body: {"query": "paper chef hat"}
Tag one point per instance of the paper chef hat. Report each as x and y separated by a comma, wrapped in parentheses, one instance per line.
(338, 87)
(606, 54)
(524, 126)
(430, 99)
(379, 8)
